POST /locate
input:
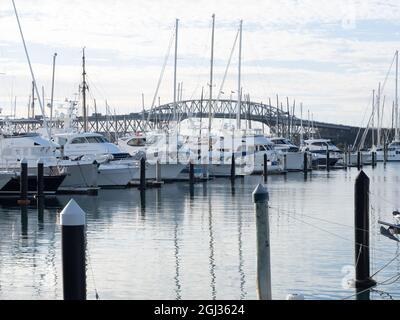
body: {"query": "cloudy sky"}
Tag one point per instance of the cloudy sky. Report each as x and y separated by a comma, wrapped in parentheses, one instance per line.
(327, 54)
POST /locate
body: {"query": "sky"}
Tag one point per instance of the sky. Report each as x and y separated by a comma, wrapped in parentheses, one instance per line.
(328, 55)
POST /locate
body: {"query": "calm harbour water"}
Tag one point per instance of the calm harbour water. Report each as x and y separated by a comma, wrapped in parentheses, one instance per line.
(177, 244)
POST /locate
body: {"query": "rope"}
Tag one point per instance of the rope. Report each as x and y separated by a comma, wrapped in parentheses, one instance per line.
(396, 277)
(387, 201)
(91, 270)
(323, 220)
(333, 234)
(386, 265)
(356, 294)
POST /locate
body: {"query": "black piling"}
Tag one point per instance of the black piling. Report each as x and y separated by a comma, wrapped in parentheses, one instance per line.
(265, 169)
(73, 251)
(233, 168)
(40, 191)
(385, 153)
(363, 280)
(285, 163)
(40, 180)
(191, 172)
(327, 158)
(373, 154)
(358, 160)
(142, 185)
(305, 162)
(24, 183)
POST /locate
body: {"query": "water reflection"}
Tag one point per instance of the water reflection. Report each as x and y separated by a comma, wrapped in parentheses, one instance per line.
(24, 223)
(211, 256)
(174, 242)
(241, 260)
(143, 203)
(177, 263)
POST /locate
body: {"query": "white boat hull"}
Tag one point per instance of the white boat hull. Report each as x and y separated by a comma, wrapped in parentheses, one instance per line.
(168, 171)
(219, 169)
(116, 175)
(366, 158)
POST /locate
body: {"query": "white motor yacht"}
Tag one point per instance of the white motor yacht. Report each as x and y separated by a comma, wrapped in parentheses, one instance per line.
(116, 168)
(251, 155)
(32, 147)
(393, 152)
(318, 148)
(166, 148)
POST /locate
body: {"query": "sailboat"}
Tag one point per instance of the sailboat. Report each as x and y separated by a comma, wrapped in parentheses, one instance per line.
(393, 149)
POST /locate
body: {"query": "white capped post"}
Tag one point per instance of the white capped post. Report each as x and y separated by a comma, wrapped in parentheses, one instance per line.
(72, 215)
(260, 200)
(73, 220)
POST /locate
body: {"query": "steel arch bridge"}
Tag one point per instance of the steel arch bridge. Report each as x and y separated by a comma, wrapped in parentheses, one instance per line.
(279, 121)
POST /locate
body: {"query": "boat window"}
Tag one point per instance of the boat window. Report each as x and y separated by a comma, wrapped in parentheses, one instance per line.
(137, 142)
(319, 144)
(79, 140)
(95, 139)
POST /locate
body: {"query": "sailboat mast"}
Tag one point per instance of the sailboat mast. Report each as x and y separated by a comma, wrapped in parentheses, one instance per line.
(31, 70)
(175, 64)
(52, 92)
(33, 101)
(84, 87)
(211, 72)
(373, 118)
(378, 106)
(301, 124)
(239, 91)
(396, 102)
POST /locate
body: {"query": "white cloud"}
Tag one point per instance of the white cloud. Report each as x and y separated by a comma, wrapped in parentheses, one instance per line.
(286, 49)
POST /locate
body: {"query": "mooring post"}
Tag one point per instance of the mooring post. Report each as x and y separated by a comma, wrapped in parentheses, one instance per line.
(265, 169)
(158, 171)
(191, 172)
(40, 179)
(233, 171)
(385, 152)
(305, 162)
(260, 199)
(361, 229)
(142, 174)
(373, 154)
(358, 160)
(327, 158)
(284, 163)
(72, 220)
(24, 183)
